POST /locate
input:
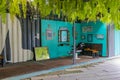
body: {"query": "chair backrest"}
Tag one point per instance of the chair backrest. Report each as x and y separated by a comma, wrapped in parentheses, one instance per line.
(93, 46)
(80, 46)
(97, 47)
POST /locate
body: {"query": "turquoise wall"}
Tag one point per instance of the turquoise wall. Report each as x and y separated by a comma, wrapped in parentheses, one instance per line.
(55, 50)
(78, 33)
(117, 42)
(97, 28)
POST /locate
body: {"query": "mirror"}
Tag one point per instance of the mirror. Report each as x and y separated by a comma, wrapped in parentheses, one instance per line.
(63, 35)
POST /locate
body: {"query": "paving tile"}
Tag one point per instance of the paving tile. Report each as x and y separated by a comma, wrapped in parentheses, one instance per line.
(108, 70)
(43, 77)
(109, 77)
(10, 70)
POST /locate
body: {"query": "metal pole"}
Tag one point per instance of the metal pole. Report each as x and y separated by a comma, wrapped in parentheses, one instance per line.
(74, 43)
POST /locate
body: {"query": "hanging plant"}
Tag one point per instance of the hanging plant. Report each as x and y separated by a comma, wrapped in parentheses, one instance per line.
(18, 7)
(14, 8)
(3, 9)
(24, 7)
(106, 11)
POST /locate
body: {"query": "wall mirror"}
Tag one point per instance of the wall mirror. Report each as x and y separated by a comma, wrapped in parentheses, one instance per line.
(63, 35)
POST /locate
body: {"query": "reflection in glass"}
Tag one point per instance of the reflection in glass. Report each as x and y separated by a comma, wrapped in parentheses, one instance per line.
(63, 36)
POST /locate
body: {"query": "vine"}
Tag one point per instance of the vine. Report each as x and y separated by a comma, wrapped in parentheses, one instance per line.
(106, 11)
(3, 10)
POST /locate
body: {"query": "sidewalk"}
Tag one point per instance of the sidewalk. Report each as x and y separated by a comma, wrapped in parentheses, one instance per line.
(81, 62)
(108, 70)
(17, 69)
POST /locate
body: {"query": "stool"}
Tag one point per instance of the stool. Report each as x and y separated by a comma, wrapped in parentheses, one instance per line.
(76, 54)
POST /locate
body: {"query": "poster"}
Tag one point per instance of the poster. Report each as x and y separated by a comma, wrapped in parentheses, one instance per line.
(87, 29)
(41, 53)
(49, 34)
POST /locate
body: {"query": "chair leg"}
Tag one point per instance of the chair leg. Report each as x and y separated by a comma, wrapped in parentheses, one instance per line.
(93, 55)
(97, 55)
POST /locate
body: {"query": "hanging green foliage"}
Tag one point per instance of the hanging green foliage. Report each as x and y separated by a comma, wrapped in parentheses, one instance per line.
(106, 11)
(24, 7)
(14, 8)
(3, 9)
(18, 7)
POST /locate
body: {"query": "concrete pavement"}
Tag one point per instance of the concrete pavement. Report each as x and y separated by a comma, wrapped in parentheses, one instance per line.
(108, 70)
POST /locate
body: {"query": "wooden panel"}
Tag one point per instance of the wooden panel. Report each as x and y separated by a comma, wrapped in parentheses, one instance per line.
(94, 46)
(97, 47)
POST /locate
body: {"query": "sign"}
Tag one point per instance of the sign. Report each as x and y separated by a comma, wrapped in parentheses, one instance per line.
(41, 53)
(49, 34)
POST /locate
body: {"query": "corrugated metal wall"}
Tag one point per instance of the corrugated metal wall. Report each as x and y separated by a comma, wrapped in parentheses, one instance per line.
(17, 39)
(111, 40)
(117, 42)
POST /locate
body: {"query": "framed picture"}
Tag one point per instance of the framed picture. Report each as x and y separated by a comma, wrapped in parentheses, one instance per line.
(99, 36)
(90, 37)
(87, 29)
(49, 34)
(63, 35)
(41, 53)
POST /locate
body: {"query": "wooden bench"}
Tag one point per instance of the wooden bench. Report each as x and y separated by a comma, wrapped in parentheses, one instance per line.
(95, 53)
(93, 48)
(1, 60)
